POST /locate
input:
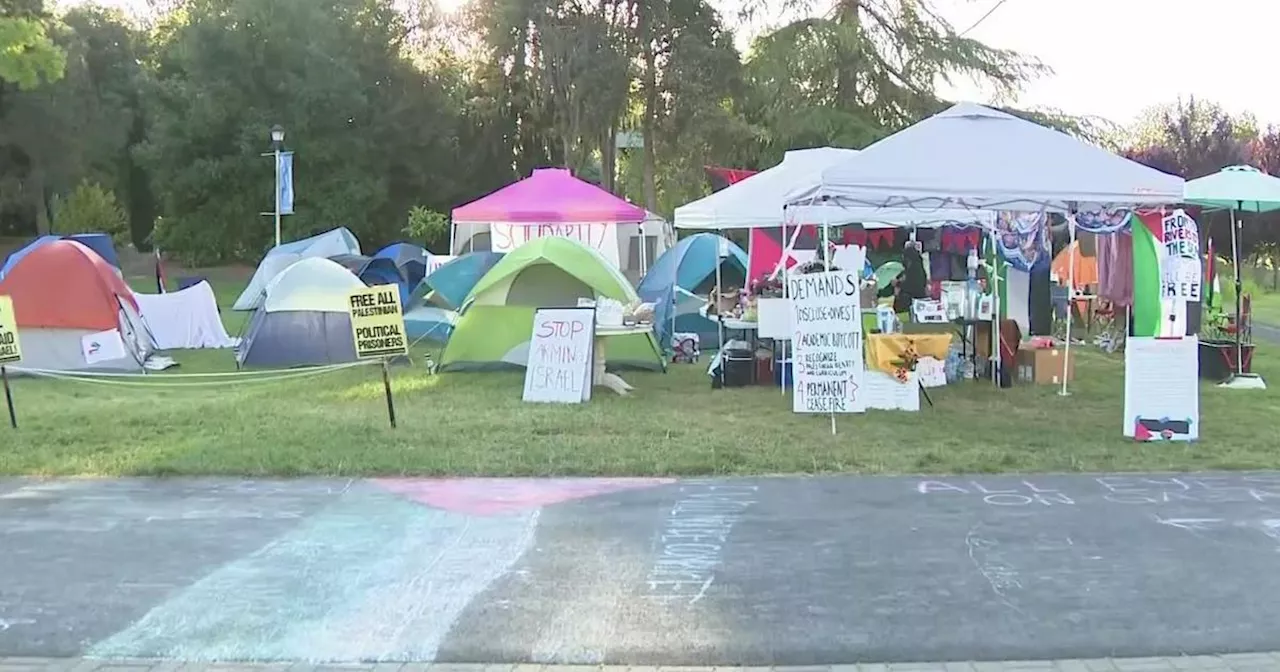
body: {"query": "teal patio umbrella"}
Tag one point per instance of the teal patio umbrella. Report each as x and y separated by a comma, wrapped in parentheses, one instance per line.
(1238, 189)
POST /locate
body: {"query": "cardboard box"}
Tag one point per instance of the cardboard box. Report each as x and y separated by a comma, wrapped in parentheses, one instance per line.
(1043, 366)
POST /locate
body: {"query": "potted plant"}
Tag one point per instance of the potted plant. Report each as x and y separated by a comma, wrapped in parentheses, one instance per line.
(1218, 345)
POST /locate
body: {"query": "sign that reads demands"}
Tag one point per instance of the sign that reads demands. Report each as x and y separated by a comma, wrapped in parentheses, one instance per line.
(377, 322)
(1180, 258)
(10, 348)
(560, 355)
(827, 338)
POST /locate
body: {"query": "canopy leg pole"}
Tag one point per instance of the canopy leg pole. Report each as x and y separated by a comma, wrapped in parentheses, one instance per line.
(782, 388)
(1235, 263)
(826, 266)
(1071, 296)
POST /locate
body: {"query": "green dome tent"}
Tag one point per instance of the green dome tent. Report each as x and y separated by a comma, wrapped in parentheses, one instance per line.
(497, 316)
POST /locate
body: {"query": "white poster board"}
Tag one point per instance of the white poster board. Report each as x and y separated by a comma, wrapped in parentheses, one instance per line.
(560, 355)
(828, 362)
(932, 372)
(773, 318)
(104, 346)
(1162, 389)
(435, 261)
(1180, 275)
(884, 392)
(601, 237)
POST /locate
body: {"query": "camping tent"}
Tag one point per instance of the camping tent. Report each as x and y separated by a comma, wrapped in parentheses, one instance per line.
(429, 323)
(690, 266)
(552, 202)
(409, 258)
(74, 312)
(98, 242)
(450, 284)
(497, 317)
(374, 271)
(337, 241)
(185, 319)
(303, 319)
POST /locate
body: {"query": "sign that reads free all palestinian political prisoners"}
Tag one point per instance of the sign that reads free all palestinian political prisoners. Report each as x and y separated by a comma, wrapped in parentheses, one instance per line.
(377, 322)
(827, 336)
(10, 348)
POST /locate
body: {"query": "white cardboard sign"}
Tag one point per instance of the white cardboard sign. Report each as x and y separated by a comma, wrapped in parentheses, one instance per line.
(560, 355)
(828, 361)
(1162, 389)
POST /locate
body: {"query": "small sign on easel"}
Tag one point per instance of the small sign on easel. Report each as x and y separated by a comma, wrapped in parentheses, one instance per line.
(560, 355)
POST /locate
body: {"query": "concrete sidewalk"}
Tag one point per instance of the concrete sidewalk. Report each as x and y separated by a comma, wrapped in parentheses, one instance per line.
(1250, 662)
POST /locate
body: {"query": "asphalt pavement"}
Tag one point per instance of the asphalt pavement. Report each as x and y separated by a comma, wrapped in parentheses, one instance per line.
(768, 571)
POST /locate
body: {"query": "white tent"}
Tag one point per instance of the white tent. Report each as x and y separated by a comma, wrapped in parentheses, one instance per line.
(972, 157)
(187, 319)
(759, 200)
(324, 245)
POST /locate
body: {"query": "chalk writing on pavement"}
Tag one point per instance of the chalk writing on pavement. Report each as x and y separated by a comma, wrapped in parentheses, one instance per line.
(693, 537)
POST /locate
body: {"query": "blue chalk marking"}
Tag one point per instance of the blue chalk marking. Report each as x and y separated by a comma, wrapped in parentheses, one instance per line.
(371, 578)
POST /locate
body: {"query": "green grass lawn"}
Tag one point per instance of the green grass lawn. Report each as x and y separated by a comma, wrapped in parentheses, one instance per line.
(475, 424)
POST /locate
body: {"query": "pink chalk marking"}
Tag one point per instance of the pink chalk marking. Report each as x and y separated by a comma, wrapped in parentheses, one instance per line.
(495, 496)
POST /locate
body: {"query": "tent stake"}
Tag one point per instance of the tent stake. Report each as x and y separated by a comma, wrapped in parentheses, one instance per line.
(386, 386)
(8, 397)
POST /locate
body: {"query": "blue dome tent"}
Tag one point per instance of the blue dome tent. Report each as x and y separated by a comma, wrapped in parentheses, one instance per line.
(682, 274)
(409, 258)
(450, 284)
(374, 271)
(98, 242)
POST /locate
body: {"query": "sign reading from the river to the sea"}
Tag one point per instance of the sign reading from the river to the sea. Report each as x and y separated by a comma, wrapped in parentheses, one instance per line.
(377, 322)
(827, 326)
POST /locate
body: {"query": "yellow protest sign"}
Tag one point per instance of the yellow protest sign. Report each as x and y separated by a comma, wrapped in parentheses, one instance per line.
(377, 322)
(10, 348)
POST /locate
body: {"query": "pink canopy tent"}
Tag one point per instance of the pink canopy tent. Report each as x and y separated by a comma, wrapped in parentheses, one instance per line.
(549, 196)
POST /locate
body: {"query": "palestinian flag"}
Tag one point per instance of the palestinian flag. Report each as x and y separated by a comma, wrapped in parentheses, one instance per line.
(723, 177)
(767, 245)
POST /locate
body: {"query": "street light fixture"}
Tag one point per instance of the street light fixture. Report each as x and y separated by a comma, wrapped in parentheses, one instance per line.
(277, 136)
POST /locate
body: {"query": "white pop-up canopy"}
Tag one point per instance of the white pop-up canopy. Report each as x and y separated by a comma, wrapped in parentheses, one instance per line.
(975, 158)
(757, 202)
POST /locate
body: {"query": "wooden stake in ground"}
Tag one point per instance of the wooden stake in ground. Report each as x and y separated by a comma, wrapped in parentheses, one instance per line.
(8, 397)
(386, 386)
(377, 327)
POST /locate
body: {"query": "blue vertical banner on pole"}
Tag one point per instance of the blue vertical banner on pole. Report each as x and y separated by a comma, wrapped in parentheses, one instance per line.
(284, 177)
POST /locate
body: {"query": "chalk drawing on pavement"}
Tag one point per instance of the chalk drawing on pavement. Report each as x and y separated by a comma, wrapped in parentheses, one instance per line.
(370, 578)
(692, 540)
(495, 496)
(1191, 489)
(1023, 493)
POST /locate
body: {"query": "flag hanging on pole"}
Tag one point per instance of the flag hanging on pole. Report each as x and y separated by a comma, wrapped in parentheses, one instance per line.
(284, 178)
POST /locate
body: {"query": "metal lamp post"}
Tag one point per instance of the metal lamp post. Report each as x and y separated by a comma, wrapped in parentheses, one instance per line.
(277, 141)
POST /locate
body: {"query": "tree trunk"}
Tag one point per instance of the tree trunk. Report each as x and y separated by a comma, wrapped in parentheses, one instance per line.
(35, 190)
(847, 15)
(609, 157)
(647, 124)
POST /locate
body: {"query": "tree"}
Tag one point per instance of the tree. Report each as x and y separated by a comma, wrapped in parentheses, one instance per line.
(373, 135)
(866, 69)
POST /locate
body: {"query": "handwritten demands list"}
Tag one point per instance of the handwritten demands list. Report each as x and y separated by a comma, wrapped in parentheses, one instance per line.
(559, 366)
(827, 335)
